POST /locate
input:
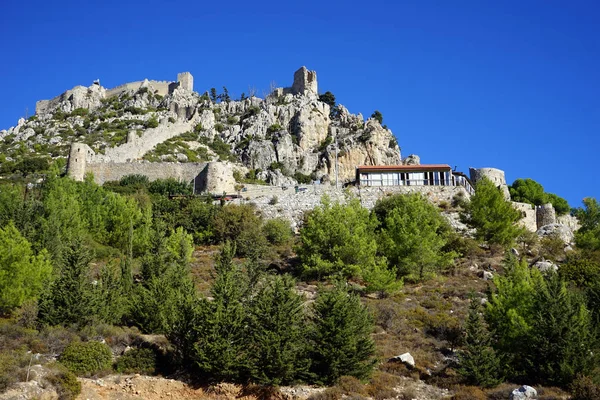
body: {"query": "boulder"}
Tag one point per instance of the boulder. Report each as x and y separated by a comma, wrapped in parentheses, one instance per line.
(405, 358)
(515, 252)
(561, 231)
(412, 159)
(524, 392)
(545, 266)
(487, 276)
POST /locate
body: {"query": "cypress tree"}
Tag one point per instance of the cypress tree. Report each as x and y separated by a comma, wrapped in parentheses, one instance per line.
(340, 339)
(220, 349)
(70, 299)
(561, 339)
(277, 333)
(479, 363)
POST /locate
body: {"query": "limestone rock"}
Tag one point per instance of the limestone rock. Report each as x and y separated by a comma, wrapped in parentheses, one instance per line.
(311, 125)
(545, 266)
(524, 392)
(487, 276)
(405, 358)
(412, 159)
(562, 231)
(260, 155)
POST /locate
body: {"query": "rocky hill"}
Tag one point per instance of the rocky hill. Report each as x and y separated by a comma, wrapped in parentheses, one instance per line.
(290, 136)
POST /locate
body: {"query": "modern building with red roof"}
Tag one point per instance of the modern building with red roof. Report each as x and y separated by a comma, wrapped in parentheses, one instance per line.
(410, 175)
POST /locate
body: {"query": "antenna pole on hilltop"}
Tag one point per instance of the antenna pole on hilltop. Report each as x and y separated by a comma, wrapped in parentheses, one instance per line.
(336, 162)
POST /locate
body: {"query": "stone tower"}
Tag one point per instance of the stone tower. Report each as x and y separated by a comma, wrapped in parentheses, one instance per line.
(545, 215)
(186, 81)
(78, 157)
(493, 174)
(305, 82)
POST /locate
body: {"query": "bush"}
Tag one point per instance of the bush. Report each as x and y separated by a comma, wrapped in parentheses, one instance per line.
(137, 361)
(584, 388)
(80, 112)
(302, 179)
(274, 128)
(86, 358)
(240, 225)
(219, 127)
(9, 367)
(277, 231)
(66, 383)
(468, 393)
(151, 123)
(169, 186)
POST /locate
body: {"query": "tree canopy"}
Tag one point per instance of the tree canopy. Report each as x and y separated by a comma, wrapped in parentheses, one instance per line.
(493, 218)
(530, 191)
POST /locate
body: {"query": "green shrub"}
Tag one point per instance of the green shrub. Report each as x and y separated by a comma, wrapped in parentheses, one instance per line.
(219, 127)
(232, 120)
(584, 388)
(169, 186)
(137, 361)
(277, 231)
(80, 112)
(86, 358)
(326, 142)
(9, 367)
(66, 383)
(276, 165)
(274, 128)
(302, 179)
(151, 123)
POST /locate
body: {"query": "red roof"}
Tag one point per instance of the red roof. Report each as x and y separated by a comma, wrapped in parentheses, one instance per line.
(422, 167)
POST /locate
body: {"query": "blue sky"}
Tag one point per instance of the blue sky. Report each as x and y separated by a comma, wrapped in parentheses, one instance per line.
(508, 84)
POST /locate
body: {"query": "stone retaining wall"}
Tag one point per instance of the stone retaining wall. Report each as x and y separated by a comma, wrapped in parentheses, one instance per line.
(110, 171)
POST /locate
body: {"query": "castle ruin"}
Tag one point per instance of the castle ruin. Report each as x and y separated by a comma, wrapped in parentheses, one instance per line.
(83, 97)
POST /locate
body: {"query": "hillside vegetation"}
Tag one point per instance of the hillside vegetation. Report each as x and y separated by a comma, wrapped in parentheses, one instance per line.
(124, 279)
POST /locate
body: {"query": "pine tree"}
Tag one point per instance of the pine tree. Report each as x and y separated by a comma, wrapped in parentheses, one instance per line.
(340, 339)
(561, 340)
(491, 215)
(479, 363)
(70, 299)
(277, 333)
(221, 331)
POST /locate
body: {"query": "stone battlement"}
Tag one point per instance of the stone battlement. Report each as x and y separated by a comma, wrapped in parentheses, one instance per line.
(80, 95)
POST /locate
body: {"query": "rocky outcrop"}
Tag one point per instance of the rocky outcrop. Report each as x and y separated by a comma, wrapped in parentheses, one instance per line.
(563, 232)
(78, 97)
(523, 393)
(288, 136)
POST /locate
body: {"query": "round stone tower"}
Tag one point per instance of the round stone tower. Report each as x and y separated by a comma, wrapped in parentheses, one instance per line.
(78, 157)
(77, 161)
(545, 215)
(493, 174)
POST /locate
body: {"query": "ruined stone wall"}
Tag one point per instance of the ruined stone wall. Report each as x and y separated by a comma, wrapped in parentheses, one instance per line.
(568, 221)
(43, 106)
(163, 87)
(305, 82)
(135, 149)
(528, 214)
(110, 171)
(291, 205)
